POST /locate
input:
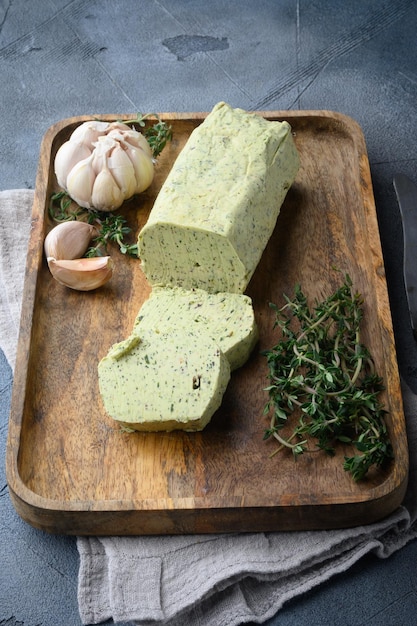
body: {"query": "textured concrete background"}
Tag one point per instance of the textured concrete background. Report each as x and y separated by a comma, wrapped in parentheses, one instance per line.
(60, 58)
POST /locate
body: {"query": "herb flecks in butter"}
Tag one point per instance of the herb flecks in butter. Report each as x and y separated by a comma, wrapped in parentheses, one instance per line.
(228, 318)
(219, 204)
(152, 385)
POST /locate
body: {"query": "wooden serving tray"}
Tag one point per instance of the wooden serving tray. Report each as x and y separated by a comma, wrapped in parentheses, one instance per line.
(71, 470)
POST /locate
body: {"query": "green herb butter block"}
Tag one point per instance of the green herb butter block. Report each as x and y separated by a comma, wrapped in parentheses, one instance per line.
(219, 204)
(163, 381)
(227, 317)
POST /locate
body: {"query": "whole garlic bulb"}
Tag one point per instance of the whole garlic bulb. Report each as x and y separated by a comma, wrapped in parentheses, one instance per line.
(103, 164)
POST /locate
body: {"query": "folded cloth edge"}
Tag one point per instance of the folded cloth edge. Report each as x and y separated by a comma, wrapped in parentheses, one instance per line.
(273, 560)
(15, 224)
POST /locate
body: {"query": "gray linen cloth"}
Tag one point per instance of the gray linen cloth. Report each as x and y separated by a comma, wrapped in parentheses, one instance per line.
(203, 580)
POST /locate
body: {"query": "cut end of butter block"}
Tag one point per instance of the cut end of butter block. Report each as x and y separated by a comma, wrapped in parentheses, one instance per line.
(219, 204)
(167, 381)
(227, 317)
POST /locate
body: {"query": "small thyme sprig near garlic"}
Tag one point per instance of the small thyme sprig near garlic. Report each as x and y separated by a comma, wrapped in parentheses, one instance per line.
(61, 208)
(321, 371)
(157, 135)
(112, 228)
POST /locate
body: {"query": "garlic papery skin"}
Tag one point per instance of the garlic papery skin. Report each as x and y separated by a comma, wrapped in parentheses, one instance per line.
(69, 240)
(105, 143)
(82, 274)
(88, 132)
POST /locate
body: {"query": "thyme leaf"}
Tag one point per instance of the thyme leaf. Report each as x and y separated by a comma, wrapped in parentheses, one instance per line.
(157, 134)
(321, 371)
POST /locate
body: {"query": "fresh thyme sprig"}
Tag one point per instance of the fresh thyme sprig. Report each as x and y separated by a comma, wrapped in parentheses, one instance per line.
(321, 371)
(110, 227)
(157, 135)
(63, 209)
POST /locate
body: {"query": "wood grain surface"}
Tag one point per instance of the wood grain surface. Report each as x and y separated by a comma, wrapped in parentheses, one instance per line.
(72, 470)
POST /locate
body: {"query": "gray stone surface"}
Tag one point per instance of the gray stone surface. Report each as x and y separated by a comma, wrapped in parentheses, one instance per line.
(60, 58)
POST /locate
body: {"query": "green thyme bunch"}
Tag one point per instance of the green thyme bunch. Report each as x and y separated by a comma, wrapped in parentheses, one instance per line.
(322, 371)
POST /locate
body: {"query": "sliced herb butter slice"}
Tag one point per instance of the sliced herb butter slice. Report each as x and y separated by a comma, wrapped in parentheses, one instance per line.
(227, 317)
(219, 204)
(163, 381)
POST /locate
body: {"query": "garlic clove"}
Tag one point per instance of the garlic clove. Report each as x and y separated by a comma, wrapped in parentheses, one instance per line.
(140, 158)
(82, 274)
(143, 143)
(69, 240)
(122, 170)
(106, 194)
(66, 157)
(144, 168)
(80, 182)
